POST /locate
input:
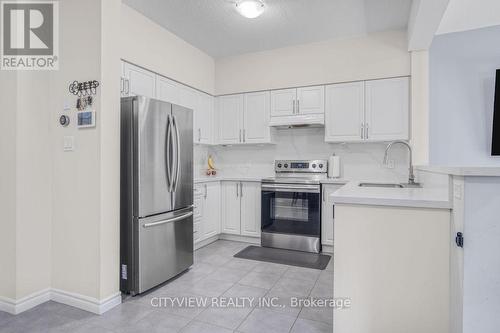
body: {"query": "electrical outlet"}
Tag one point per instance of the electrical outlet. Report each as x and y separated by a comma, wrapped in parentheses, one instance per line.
(390, 164)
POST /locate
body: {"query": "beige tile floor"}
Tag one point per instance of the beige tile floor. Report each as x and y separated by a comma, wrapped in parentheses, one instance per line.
(215, 274)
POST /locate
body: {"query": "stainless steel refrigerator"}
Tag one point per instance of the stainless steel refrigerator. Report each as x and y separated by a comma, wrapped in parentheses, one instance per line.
(156, 192)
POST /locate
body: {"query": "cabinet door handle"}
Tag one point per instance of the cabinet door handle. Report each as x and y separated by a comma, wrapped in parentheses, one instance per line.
(122, 86)
(206, 191)
(293, 106)
(199, 134)
(367, 130)
(237, 194)
(241, 189)
(362, 131)
(244, 135)
(240, 136)
(323, 195)
(298, 106)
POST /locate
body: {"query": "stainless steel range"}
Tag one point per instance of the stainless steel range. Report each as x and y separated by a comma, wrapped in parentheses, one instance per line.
(291, 205)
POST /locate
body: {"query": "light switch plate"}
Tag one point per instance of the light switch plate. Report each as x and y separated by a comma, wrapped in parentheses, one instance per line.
(69, 143)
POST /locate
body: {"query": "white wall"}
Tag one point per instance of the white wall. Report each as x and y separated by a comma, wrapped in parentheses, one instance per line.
(110, 149)
(147, 44)
(368, 57)
(76, 204)
(60, 224)
(359, 161)
(33, 182)
(462, 88)
(420, 106)
(8, 116)
(25, 190)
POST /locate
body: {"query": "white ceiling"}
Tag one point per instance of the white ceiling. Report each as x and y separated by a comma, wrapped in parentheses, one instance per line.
(215, 27)
(464, 15)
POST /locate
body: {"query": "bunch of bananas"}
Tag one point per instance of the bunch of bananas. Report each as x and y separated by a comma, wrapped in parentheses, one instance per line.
(211, 166)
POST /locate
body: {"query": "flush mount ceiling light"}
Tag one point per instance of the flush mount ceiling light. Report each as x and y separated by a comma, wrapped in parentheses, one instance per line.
(250, 8)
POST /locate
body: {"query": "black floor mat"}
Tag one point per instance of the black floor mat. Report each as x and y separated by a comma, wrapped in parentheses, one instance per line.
(285, 257)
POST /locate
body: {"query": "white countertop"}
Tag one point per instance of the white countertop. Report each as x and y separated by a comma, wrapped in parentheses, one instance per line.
(258, 179)
(423, 197)
(472, 171)
(222, 178)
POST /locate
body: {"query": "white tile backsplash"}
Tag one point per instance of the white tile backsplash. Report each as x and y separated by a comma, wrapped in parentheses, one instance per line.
(361, 161)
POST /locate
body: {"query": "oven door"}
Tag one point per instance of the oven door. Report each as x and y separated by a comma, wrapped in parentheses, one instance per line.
(292, 209)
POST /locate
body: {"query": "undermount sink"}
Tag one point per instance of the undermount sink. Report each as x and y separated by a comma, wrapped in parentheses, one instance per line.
(390, 185)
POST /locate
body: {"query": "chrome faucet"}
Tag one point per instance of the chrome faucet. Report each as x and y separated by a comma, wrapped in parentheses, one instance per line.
(411, 177)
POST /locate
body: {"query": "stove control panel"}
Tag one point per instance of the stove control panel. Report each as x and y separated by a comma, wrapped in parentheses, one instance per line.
(304, 166)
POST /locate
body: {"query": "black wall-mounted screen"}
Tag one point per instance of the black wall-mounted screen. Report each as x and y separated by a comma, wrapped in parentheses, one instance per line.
(495, 145)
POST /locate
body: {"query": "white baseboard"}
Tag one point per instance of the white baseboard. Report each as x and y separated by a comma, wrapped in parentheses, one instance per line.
(86, 303)
(15, 307)
(205, 242)
(238, 238)
(82, 302)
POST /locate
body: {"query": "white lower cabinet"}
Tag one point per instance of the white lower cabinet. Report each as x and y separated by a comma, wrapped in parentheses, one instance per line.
(241, 208)
(231, 209)
(327, 213)
(211, 210)
(250, 209)
(206, 210)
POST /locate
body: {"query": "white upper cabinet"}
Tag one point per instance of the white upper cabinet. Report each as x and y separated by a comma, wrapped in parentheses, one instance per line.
(310, 100)
(250, 194)
(387, 109)
(283, 102)
(256, 117)
(344, 115)
(138, 81)
(230, 110)
(167, 90)
(188, 98)
(298, 106)
(203, 119)
(376, 110)
(244, 118)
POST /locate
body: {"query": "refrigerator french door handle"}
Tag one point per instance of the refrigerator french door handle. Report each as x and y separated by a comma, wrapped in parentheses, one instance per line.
(174, 219)
(177, 153)
(167, 151)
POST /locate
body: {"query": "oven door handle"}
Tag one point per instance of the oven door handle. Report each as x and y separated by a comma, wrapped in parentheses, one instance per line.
(291, 188)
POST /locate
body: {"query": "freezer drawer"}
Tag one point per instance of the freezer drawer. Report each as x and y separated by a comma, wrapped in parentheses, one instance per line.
(165, 247)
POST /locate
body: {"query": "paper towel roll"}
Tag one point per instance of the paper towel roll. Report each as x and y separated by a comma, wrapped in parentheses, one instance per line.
(334, 167)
